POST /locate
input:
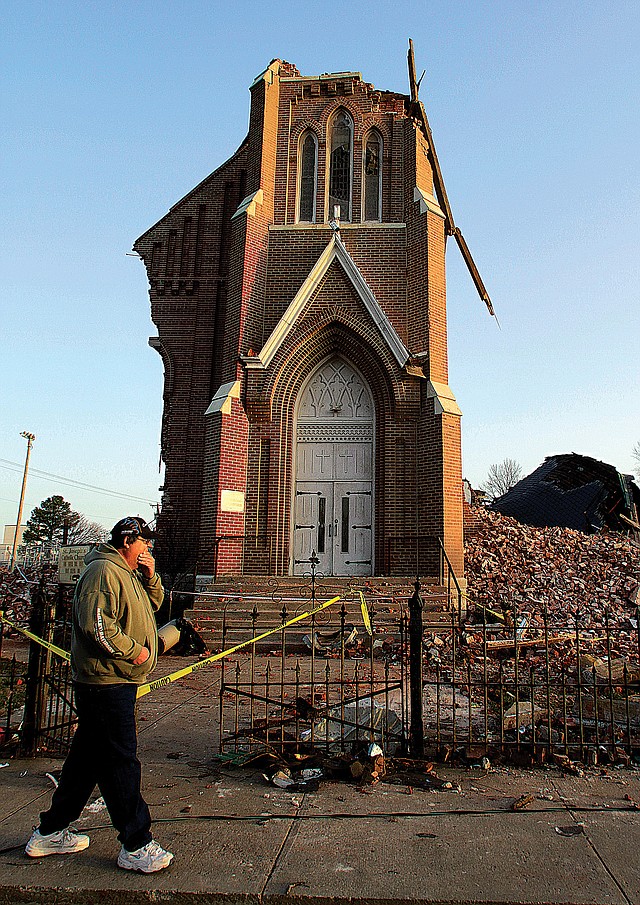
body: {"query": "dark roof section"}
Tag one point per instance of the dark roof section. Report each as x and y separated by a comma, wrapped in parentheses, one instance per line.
(573, 491)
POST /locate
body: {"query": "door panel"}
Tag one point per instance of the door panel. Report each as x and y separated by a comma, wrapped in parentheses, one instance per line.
(352, 461)
(315, 461)
(334, 468)
(313, 528)
(352, 548)
(333, 518)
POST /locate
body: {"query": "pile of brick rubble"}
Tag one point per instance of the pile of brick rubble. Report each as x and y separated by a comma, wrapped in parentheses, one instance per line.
(15, 594)
(570, 574)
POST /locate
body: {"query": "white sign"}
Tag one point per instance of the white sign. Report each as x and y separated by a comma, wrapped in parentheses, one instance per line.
(232, 501)
(203, 583)
(71, 562)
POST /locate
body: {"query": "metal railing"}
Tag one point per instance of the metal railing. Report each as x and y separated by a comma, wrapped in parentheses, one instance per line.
(424, 555)
(534, 687)
(314, 688)
(48, 720)
(525, 684)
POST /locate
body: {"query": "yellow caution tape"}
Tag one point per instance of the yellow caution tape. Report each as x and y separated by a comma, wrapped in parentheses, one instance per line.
(166, 680)
(52, 647)
(187, 670)
(365, 613)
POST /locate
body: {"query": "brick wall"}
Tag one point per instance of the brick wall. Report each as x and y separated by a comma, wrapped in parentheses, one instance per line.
(221, 277)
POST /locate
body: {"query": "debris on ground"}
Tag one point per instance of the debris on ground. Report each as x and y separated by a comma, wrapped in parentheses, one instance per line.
(614, 670)
(365, 767)
(522, 713)
(576, 829)
(346, 723)
(369, 768)
(511, 566)
(523, 802)
(567, 765)
(180, 638)
(324, 643)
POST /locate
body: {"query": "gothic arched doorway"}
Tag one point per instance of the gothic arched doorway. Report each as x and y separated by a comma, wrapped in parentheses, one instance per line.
(333, 511)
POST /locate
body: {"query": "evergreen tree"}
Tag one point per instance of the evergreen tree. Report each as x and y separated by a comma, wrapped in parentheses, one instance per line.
(46, 522)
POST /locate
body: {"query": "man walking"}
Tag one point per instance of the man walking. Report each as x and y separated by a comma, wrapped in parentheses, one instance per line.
(113, 648)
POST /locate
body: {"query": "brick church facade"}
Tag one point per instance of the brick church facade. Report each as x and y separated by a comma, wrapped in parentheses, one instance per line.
(299, 296)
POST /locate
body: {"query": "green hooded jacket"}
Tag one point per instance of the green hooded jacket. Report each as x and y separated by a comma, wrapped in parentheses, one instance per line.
(113, 619)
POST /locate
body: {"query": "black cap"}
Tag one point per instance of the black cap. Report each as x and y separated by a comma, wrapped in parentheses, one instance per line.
(133, 526)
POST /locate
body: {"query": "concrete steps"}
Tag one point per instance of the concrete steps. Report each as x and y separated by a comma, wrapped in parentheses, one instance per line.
(241, 608)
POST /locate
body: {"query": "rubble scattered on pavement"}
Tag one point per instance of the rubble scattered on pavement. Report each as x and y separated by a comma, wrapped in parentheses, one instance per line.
(614, 669)
(523, 802)
(567, 765)
(575, 829)
(365, 767)
(326, 642)
(552, 618)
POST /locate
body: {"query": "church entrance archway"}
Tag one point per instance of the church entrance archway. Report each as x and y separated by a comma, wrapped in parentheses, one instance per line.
(334, 488)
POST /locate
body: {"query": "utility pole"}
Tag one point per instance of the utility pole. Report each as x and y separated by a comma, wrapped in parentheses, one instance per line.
(29, 438)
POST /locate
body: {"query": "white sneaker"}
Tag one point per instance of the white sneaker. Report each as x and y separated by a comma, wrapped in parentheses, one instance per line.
(62, 843)
(148, 859)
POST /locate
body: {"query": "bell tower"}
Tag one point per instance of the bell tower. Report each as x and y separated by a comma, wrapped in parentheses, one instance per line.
(307, 406)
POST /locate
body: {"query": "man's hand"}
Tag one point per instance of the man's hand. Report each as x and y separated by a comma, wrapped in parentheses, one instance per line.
(147, 564)
(142, 657)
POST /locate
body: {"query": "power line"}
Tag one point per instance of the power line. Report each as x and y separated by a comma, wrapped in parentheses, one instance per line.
(5, 463)
(101, 519)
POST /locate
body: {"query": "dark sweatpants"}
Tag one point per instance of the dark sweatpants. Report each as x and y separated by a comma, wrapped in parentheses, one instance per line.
(103, 753)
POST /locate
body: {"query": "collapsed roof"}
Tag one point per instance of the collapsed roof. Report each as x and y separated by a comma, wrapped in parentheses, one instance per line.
(573, 491)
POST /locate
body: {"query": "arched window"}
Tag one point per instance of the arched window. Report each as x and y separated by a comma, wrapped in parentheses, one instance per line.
(307, 169)
(372, 176)
(341, 144)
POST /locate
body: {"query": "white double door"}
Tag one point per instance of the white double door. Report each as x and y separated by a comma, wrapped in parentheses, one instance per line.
(333, 508)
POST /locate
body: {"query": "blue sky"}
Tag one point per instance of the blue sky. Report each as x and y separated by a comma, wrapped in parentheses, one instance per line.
(113, 111)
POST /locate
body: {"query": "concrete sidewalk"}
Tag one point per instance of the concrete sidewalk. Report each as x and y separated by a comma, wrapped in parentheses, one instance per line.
(238, 839)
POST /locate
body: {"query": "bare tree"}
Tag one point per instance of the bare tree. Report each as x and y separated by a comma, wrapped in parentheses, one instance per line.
(501, 478)
(83, 531)
(636, 456)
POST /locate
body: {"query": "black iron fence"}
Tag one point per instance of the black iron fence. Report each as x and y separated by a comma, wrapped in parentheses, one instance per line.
(13, 673)
(38, 716)
(526, 684)
(326, 683)
(534, 686)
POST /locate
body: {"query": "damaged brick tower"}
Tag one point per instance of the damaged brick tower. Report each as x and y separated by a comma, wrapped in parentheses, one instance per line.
(299, 295)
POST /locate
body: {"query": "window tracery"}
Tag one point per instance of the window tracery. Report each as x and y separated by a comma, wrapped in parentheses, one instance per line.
(336, 390)
(341, 144)
(308, 169)
(372, 176)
